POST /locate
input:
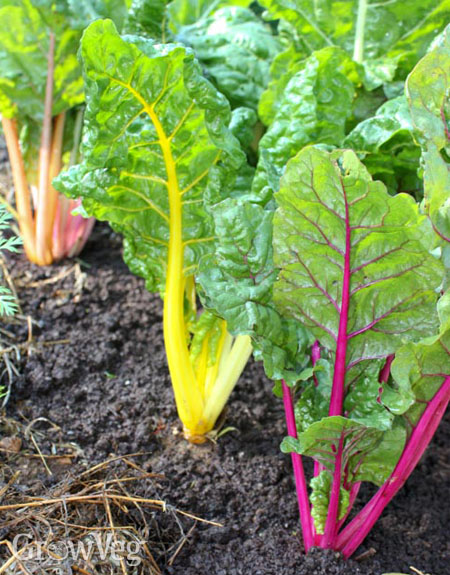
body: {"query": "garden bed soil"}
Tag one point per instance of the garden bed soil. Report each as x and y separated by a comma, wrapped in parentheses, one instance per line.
(109, 391)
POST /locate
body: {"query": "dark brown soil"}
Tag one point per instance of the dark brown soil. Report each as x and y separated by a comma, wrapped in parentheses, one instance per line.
(110, 392)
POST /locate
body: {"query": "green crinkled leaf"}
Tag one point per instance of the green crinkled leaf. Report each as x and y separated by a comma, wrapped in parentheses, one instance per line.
(208, 326)
(392, 278)
(242, 125)
(386, 145)
(237, 280)
(186, 12)
(427, 89)
(153, 125)
(284, 66)
(316, 105)
(395, 34)
(81, 12)
(236, 48)
(148, 18)
(436, 177)
(364, 399)
(320, 500)
(443, 308)
(421, 369)
(313, 402)
(367, 401)
(24, 43)
(381, 459)
(368, 453)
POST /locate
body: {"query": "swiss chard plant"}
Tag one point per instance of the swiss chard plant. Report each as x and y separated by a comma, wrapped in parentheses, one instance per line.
(41, 93)
(156, 144)
(351, 278)
(354, 269)
(338, 279)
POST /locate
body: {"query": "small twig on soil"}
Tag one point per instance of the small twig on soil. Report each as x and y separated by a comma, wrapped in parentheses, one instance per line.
(34, 345)
(111, 523)
(104, 464)
(47, 468)
(10, 483)
(181, 545)
(51, 280)
(369, 553)
(417, 571)
(30, 329)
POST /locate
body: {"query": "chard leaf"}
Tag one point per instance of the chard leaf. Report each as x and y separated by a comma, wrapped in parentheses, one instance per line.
(436, 191)
(386, 145)
(368, 454)
(284, 66)
(427, 89)
(353, 268)
(316, 105)
(148, 18)
(186, 12)
(236, 48)
(364, 400)
(394, 35)
(82, 12)
(237, 279)
(320, 500)
(313, 403)
(24, 44)
(368, 401)
(381, 459)
(154, 130)
(421, 368)
(443, 308)
(208, 328)
(242, 125)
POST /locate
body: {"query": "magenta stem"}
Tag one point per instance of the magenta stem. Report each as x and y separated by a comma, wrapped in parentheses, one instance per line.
(440, 234)
(338, 389)
(315, 352)
(386, 369)
(356, 531)
(299, 473)
(337, 392)
(315, 356)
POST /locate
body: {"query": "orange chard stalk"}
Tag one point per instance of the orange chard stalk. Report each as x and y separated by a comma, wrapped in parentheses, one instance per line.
(23, 198)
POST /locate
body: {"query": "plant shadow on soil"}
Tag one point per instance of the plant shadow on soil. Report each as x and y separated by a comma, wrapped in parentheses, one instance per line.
(110, 392)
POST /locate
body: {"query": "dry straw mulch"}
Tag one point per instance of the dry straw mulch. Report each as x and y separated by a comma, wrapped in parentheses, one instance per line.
(106, 520)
